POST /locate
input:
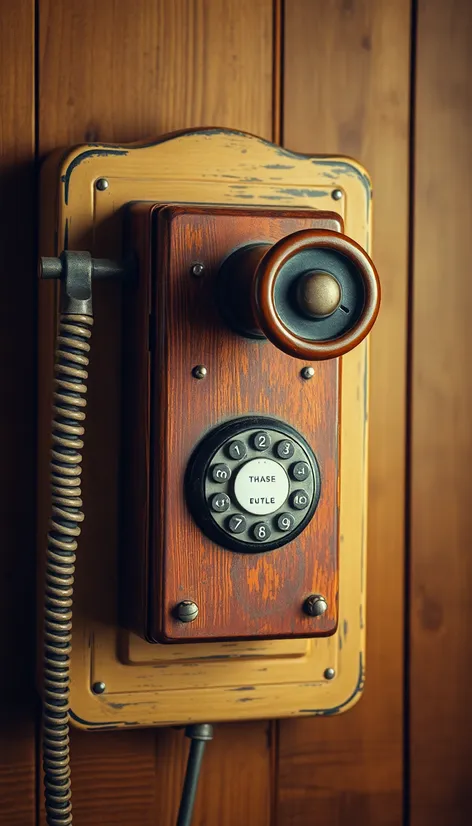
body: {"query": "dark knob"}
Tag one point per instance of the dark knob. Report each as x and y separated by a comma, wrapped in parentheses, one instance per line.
(186, 611)
(315, 605)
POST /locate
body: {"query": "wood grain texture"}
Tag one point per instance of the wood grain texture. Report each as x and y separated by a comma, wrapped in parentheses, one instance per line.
(239, 595)
(119, 72)
(236, 780)
(352, 96)
(113, 779)
(125, 71)
(17, 380)
(441, 403)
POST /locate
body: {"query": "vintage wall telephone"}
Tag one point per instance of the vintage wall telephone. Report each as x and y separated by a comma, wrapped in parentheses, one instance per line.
(221, 571)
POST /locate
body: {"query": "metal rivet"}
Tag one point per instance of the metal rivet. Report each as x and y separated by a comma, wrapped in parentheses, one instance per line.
(329, 674)
(102, 184)
(98, 688)
(198, 269)
(307, 372)
(315, 605)
(337, 194)
(186, 611)
(199, 372)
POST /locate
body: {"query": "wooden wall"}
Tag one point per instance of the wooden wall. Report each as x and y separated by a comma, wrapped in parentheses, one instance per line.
(17, 413)
(386, 81)
(441, 419)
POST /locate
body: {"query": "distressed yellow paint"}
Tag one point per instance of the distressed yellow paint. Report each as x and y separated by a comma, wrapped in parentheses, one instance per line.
(173, 684)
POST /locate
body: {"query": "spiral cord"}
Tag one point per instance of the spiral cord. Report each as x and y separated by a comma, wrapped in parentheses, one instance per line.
(70, 391)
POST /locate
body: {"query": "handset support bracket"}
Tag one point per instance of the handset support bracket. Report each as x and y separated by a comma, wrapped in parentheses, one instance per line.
(76, 271)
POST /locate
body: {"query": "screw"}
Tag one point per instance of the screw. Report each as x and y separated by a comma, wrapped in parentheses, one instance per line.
(98, 688)
(329, 673)
(315, 605)
(307, 372)
(102, 184)
(186, 611)
(199, 372)
(337, 194)
(198, 269)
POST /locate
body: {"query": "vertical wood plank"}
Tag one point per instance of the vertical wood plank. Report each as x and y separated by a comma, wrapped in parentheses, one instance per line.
(130, 70)
(346, 90)
(17, 413)
(236, 782)
(125, 71)
(441, 428)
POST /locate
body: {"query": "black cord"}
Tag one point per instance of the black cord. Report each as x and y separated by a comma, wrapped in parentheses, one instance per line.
(199, 735)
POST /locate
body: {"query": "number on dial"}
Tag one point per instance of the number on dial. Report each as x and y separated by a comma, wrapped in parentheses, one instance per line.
(285, 521)
(237, 523)
(261, 440)
(220, 502)
(285, 449)
(300, 500)
(261, 531)
(237, 449)
(221, 473)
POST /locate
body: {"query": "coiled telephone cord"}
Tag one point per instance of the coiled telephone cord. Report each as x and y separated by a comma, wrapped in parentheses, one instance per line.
(70, 391)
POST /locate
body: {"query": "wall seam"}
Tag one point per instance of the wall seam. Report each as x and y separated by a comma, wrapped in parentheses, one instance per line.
(408, 421)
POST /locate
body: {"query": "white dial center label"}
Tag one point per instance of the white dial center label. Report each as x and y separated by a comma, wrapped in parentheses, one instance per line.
(261, 486)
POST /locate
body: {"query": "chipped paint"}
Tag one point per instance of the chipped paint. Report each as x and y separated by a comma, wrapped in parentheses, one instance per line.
(339, 168)
(329, 712)
(278, 166)
(89, 153)
(96, 726)
(304, 193)
(364, 458)
(216, 657)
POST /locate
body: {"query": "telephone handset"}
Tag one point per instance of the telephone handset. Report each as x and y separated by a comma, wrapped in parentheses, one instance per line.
(241, 503)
